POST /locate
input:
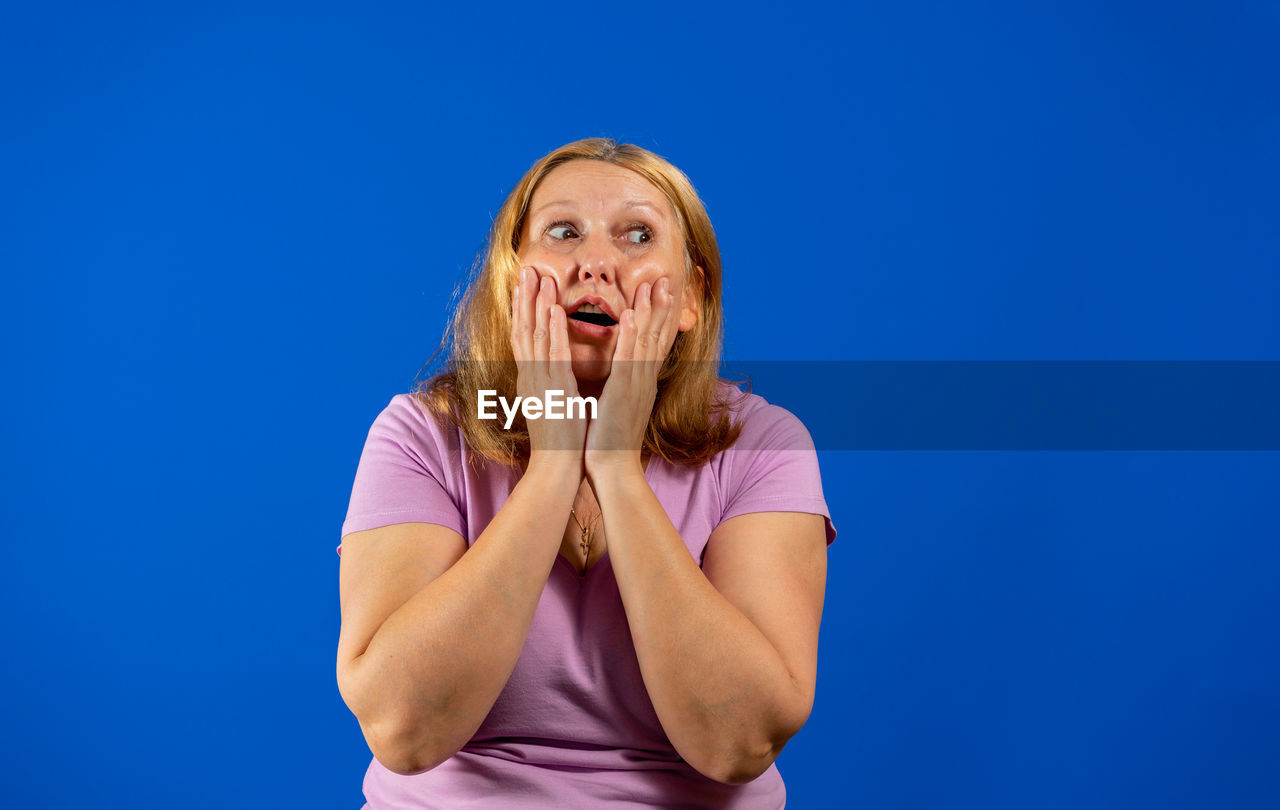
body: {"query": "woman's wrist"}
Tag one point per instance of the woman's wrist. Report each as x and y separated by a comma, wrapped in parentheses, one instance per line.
(614, 466)
(563, 465)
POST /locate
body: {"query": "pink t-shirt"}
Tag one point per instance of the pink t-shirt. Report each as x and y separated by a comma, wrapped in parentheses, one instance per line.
(574, 726)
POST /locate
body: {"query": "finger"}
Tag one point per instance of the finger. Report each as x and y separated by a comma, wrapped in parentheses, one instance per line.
(651, 330)
(624, 351)
(652, 335)
(643, 308)
(524, 305)
(559, 347)
(637, 342)
(663, 328)
(542, 320)
(516, 327)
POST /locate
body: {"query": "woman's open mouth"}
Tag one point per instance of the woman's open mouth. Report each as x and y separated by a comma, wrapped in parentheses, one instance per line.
(593, 314)
(591, 320)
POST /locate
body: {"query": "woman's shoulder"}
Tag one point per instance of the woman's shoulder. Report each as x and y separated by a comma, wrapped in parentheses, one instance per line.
(773, 465)
(413, 407)
(409, 420)
(763, 424)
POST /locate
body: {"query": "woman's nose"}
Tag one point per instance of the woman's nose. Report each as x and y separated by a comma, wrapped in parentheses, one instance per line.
(596, 260)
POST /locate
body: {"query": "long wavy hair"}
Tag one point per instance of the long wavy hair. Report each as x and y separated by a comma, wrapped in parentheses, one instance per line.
(691, 419)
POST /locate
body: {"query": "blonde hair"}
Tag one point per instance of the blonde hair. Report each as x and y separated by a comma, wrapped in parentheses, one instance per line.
(690, 421)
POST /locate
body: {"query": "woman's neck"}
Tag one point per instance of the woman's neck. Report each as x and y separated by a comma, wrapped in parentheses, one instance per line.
(590, 388)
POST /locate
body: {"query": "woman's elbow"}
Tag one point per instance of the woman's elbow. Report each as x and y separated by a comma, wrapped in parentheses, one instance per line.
(402, 751)
(749, 761)
(401, 743)
(407, 762)
(743, 767)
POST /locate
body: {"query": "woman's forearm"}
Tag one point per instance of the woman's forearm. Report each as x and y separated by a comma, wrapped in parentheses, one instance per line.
(432, 671)
(721, 691)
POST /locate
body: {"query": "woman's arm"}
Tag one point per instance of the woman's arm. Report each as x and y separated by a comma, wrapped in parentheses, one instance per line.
(430, 634)
(729, 657)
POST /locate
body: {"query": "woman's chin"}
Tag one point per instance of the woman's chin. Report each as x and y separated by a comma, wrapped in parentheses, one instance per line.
(592, 370)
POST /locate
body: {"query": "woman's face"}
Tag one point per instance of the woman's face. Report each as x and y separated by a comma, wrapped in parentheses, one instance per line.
(600, 231)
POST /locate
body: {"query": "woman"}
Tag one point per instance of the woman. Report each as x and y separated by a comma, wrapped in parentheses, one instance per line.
(613, 611)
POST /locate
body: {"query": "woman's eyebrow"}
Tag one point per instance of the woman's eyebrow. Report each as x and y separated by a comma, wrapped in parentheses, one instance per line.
(626, 204)
(545, 206)
(662, 213)
(643, 204)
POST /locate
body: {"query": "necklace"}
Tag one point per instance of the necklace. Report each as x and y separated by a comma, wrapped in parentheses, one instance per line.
(585, 539)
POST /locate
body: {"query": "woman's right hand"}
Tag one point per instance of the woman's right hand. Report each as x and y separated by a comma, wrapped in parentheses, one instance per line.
(540, 342)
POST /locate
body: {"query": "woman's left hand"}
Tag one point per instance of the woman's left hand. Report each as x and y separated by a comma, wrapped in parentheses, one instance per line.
(646, 333)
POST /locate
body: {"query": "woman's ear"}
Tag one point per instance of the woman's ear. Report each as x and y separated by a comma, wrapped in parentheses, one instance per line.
(690, 300)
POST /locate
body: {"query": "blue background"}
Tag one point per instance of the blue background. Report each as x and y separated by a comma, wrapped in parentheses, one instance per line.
(229, 235)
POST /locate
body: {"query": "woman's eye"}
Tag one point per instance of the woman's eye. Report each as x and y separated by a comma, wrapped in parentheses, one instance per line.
(639, 236)
(561, 232)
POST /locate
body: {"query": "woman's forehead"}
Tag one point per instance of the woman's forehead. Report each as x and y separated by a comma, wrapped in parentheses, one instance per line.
(597, 185)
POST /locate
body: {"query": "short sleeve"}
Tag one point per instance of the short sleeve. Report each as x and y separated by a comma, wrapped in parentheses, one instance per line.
(408, 473)
(773, 467)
